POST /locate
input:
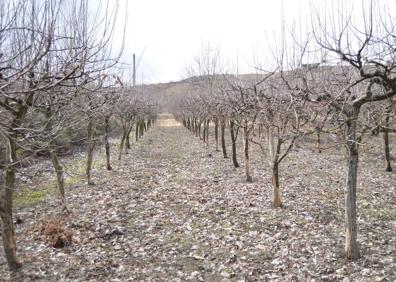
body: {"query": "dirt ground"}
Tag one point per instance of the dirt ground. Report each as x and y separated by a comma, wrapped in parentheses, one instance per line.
(175, 210)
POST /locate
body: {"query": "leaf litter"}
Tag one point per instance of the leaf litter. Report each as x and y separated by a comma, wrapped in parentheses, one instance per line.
(175, 210)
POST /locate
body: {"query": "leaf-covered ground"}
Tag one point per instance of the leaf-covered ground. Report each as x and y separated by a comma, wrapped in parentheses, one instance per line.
(175, 210)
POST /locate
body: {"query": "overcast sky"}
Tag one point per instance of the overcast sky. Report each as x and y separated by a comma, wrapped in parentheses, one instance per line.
(167, 34)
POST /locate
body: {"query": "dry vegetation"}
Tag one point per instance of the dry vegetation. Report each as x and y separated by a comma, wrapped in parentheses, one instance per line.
(293, 180)
(174, 209)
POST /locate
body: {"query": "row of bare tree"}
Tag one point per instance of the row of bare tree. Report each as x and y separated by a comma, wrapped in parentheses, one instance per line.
(349, 97)
(56, 65)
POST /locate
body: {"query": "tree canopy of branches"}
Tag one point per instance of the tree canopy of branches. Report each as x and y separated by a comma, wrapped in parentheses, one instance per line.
(350, 93)
(52, 55)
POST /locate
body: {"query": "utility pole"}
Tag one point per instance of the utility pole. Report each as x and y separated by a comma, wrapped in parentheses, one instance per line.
(134, 69)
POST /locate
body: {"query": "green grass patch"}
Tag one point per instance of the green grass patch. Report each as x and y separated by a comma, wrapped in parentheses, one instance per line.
(73, 180)
(178, 178)
(29, 198)
(182, 239)
(385, 213)
(178, 156)
(79, 165)
(99, 163)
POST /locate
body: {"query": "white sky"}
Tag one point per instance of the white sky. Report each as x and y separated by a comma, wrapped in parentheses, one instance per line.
(167, 34)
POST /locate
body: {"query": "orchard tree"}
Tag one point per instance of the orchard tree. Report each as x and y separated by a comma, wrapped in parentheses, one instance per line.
(378, 119)
(126, 116)
(48, 49)
(284, 118)
(22, 49)
(366, 75)
(242, 104)
(111, 93)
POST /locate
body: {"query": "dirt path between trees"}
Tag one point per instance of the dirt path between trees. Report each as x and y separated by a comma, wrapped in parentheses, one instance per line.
(174, 210)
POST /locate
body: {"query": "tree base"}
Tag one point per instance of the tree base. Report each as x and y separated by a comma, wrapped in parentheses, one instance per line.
(352, 255)
(15, 267)
(277, 205)
(65, 210)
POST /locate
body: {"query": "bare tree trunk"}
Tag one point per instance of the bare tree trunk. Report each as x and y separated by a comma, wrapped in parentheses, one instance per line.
(7, 190)
(233, 140)
(126, 134)
(216, 129)
(274, 150)
(386, 144)
(259, 130)
(351, 245)
(127, 141)
(107, 143)
(318, 140)
(121, 145)
(141, 129)
(248, 172)
(91, 146)
(60, 181)
(8, 234)
(199, 130)
(204, 131)
(207, 133)
(137, 131)
(387, 150)
(276, 202)
(197, 134)
(223, 145)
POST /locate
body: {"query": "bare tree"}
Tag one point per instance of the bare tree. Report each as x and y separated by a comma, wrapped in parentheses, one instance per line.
(367, 75)
(42, 58)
